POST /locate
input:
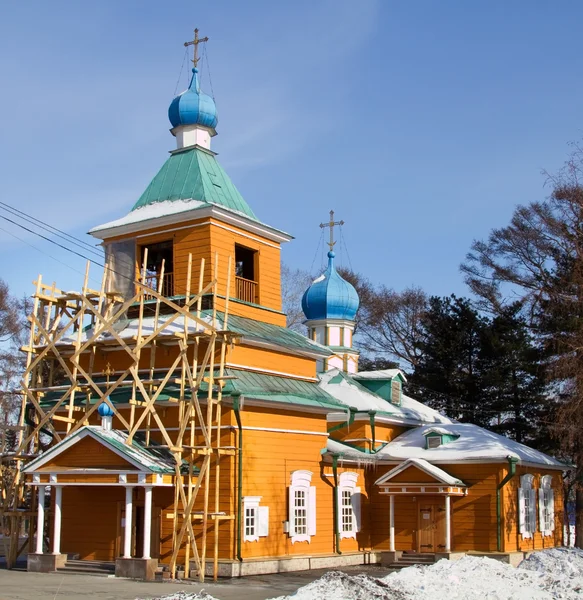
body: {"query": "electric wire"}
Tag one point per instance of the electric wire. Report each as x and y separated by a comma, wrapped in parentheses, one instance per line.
(42, 251)
(316, 253)
(49, 228)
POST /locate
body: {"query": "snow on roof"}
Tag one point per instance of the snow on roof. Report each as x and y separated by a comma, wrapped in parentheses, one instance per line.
(423, 465)
(153, 211)
(439, 431)
(353, 394)
(381, 374)
(473, 443)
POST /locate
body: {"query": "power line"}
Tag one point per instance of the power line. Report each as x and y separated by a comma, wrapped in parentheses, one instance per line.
(49, 228)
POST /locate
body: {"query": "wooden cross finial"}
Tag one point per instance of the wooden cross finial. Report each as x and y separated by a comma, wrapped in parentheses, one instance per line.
(195, 42)
(107, 372)
(331, 224)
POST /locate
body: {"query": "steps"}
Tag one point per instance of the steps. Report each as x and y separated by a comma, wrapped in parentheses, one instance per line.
(412, 559)
(88, 567)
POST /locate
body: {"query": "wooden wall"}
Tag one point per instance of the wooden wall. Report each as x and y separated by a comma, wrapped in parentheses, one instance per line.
(511, 537)
(90, 518)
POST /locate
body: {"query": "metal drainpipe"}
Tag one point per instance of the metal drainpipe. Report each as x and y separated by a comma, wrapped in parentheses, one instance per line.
(335, 503)
(236, 406)
(348, 423)
(371, 414)
(512, 472)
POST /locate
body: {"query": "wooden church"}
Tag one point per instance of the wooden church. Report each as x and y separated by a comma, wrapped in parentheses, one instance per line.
(171, 422)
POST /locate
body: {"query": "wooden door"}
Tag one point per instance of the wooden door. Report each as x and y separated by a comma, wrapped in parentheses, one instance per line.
(431, 526)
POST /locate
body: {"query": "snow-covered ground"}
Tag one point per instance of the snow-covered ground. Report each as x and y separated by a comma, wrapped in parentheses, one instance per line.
(551, 574)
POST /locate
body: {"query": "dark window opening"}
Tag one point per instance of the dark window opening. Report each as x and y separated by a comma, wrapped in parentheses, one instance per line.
(246, 274)
(158, 255)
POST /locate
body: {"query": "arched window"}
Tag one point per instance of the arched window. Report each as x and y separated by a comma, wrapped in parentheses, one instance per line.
(302, 507)
(348, 505)
(546, 506)
(527, 506)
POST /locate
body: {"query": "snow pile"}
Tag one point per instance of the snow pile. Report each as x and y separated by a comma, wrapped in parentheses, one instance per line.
(555, 574)
(340, 586)
(202, 595)
(561, 568)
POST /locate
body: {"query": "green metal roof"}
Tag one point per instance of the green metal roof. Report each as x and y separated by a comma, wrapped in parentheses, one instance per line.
(273, 334)
(194, 173)
(154, 459)
(280, 389)
(253, 385)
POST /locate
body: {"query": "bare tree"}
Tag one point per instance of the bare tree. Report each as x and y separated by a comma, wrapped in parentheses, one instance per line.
(538, 260)
(389, 323)
(294, 282)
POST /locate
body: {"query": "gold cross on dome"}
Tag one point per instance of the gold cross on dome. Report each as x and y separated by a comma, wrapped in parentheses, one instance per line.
(331, 224)
(195, 42)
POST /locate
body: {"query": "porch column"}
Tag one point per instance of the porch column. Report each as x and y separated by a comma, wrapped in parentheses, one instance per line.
(392, 522)
(57, 524)
(447, 524)
(147, 520)
(40, 519)
(127, 537)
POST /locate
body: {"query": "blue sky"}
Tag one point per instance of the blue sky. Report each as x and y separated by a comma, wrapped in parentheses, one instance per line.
(421, 123)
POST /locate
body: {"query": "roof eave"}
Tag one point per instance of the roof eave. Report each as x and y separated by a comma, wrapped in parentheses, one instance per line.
(224, 214)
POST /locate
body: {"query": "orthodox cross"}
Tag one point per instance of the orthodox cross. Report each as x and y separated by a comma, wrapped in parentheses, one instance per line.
(107, 372)
(195, 43)
(331, 224)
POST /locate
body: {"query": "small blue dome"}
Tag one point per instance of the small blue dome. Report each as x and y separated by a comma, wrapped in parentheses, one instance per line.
(105, 410)
(192, 107)
(330, 296)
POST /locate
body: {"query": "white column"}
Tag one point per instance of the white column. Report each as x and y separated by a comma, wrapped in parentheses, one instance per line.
(447, 524)
(57, 524)
(392, 522)
(127, 539)
(147, 521)
(40, 519)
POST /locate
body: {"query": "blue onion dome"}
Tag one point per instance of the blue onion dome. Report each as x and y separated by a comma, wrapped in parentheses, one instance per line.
(105, 410)
(192, 107)
(330, 296)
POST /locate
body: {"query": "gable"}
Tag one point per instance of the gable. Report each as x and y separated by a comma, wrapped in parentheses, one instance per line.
(413, 474)
(87, 453)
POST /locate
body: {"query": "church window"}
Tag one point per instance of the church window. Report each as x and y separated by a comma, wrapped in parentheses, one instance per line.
(546, 506)
(527, 506)
(302, 507)
(255, 519)
(246, 274)
(348, 505)
(158, 255)
(434, 441)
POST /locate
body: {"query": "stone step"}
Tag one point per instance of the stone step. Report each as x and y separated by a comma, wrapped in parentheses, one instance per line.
(88, 567)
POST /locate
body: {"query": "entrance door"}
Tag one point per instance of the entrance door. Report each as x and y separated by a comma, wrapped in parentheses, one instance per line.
(431, 525)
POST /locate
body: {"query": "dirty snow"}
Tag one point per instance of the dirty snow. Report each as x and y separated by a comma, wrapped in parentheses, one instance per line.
(555, 574)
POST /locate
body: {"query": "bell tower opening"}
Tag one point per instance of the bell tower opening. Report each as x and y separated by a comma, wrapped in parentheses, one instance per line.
(159, 254)
(247, 287)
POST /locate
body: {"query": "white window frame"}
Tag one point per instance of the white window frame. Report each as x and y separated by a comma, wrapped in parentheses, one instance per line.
(546, 506)
(347, 489)
(527, 506)
(302, 507)
(260, 519)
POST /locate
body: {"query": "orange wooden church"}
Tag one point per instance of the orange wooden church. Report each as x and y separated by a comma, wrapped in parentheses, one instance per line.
(170, 421)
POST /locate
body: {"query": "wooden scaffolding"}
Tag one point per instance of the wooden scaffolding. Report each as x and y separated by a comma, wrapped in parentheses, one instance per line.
(67, 331)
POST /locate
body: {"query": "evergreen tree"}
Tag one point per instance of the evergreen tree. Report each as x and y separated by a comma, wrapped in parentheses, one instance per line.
(448, 374)
(513, 379)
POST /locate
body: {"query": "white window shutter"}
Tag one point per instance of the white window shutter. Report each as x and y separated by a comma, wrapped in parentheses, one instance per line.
(532, 507)
(551, 494)
(339, 509)
(522, 514)
(541, 511)
(290, 517)
(312, 511)
(356, 500)
(263, 521)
